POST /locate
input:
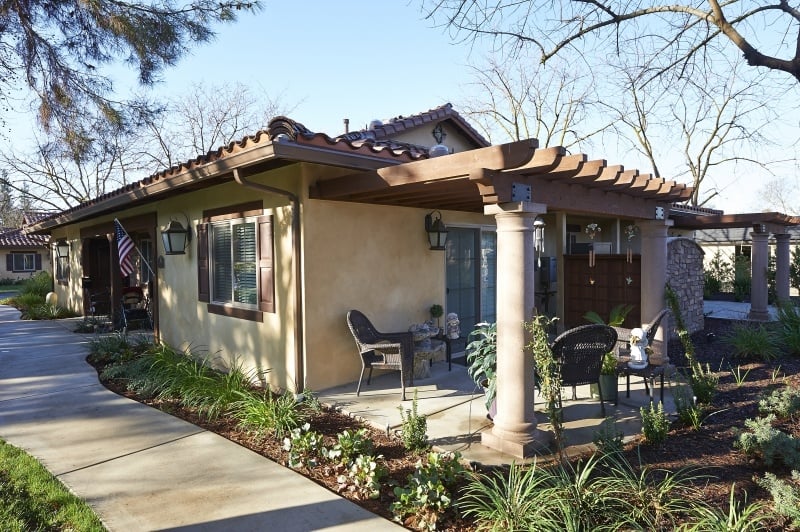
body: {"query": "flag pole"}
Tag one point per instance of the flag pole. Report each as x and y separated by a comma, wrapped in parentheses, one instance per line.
(144, 260)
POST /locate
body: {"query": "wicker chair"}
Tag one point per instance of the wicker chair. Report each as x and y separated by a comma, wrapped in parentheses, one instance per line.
(580, 352)
(393, 351)
(624, 334)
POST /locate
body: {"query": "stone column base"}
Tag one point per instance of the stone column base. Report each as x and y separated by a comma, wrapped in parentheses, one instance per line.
(523, 445)
(758, 315)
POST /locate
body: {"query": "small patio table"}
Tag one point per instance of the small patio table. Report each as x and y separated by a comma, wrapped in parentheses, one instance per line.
(649, 373)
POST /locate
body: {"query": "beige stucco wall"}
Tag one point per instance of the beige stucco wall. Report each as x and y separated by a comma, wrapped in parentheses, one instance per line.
(422, 136)
(21, 276)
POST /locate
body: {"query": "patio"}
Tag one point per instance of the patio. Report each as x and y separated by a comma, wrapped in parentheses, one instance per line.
(457, 415)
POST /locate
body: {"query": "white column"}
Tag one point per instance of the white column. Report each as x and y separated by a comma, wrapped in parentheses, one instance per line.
(758, 270)
(514, 431)
(782, 261)
(654, 279)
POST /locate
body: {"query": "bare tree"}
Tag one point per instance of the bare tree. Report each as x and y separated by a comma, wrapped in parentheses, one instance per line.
(553, 105)
(207, 117)
(780, 194)
(682, 36)
(64, 172)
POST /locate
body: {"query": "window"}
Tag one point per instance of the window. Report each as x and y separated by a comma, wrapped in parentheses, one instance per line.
(233, 265)
(235, 262)
(23, 262)
(145, 257)
(62, 269)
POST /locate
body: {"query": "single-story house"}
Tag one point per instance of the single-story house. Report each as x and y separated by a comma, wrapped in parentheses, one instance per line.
(289, 229)
(23, 255)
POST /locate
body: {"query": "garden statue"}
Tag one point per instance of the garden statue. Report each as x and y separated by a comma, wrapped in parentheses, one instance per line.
(453, 328)
(638, 349)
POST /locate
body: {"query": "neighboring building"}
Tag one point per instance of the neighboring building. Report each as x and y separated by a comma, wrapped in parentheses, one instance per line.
(289, 229)
(23, 255)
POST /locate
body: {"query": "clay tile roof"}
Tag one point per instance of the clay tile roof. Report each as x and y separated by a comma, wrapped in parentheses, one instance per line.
(15, 238)
(396, 125)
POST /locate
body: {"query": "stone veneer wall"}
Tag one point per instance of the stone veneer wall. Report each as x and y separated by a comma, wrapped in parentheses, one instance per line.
(685, 276)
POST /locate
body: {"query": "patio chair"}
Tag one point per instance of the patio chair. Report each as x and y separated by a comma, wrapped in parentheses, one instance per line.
(580, 352)
(134, 309)
(392, 351)
(623, 349)
(624, 334)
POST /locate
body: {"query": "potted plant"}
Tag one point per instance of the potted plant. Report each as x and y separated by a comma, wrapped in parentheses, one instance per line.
(437, 312)
(608, 379)
(481, 356)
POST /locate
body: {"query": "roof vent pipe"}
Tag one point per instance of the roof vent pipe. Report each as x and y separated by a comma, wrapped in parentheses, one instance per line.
(346, 126)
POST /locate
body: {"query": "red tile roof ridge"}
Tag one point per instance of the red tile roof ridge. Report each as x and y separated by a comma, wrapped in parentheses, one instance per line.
(401, 123)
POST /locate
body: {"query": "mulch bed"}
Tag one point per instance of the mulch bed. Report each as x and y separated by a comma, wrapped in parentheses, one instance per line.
(710, 448)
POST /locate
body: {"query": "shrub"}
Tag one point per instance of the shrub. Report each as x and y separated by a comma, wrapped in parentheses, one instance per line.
(505, 500)
(363, 478)
(783, 402)
(350, 444)
(415, 427)
(25, 302)
(270, 414)
(39, 284)
(718, 275)
(46, 312)
(752, 341)
(740, 518)
(789, 326)
(770, 444)
(655, 424)
(428, 492)
(785, 495)
(305, 447)
(741, 278)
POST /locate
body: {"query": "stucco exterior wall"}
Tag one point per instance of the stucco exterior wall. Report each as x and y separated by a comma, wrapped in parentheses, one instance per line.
(685, 276)
(21, 276)
(422, 136)
(372, 258)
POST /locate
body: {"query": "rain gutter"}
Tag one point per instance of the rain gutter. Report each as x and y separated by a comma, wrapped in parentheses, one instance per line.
(299, 359)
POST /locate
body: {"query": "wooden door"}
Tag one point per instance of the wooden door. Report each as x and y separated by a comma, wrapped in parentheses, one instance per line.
(612, 281)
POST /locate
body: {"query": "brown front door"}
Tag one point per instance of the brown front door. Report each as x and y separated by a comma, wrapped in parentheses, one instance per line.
(97, 275)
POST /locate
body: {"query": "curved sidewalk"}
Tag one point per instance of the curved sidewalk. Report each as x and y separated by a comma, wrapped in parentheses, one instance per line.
(139, 468)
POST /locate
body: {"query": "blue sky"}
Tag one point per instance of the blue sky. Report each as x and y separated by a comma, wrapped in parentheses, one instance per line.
(355, 59)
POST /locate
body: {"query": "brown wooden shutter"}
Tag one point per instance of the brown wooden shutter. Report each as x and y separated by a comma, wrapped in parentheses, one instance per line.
(203, 291)
(38, 261)
(266, 265)
(10, 262)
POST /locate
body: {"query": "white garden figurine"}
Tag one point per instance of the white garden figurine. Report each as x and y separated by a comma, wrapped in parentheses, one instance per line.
(638, 349)
(453, 327)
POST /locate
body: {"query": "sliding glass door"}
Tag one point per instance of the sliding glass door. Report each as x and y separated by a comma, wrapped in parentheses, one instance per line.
(471, 260)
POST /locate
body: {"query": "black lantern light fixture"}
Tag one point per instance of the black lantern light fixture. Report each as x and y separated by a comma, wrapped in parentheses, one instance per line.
(62, 249)
(437, 231)
(176, 238)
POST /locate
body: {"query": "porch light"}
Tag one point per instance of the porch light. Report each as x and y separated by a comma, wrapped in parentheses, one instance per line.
(62, 249)
(175, 238)
(437, 231)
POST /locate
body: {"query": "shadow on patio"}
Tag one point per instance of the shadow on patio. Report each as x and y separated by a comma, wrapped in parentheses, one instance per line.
(457, 415)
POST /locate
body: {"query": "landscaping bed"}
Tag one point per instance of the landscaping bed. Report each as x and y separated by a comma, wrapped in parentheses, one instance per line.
(709, 447)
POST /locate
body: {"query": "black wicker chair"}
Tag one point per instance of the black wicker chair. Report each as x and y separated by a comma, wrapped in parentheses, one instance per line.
(393, 351)
(580, 352)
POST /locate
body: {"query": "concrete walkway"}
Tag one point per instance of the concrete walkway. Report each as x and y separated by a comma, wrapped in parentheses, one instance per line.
(139, 468)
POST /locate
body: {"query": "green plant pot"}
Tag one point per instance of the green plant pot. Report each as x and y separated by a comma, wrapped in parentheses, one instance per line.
(609, 384)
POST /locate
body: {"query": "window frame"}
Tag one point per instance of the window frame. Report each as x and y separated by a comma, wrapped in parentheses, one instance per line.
(265, 264)
(33, 256)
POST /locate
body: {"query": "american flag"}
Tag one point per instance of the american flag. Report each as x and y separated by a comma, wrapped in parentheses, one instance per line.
(125, 246)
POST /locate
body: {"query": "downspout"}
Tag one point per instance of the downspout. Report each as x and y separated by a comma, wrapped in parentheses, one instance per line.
(297, 252)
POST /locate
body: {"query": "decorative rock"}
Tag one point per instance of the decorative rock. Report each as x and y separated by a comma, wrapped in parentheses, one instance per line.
(51, 298)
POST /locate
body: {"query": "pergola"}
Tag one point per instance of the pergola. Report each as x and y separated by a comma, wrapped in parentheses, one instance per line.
(515, 183)
(762, 224)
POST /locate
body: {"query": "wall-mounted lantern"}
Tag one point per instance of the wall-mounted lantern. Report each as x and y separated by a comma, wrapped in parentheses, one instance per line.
(437, 231)
(175, 238)
(62, 249)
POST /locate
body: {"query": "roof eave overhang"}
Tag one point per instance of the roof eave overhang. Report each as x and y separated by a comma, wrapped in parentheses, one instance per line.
(270, 155)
